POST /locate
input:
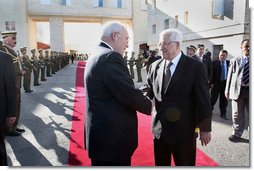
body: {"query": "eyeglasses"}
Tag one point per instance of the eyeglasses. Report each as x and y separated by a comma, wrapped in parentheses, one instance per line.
(166, 43)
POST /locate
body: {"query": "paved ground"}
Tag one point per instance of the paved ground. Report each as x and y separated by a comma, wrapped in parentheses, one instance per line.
(46, 115)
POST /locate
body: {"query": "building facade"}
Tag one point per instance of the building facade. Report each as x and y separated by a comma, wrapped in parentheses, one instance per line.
(218, 24)
(26, 13)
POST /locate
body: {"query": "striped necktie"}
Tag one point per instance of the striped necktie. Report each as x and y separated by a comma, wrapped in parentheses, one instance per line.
(167, 76)
(245, 78)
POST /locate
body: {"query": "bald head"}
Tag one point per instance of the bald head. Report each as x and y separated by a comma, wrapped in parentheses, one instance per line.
(116, 35)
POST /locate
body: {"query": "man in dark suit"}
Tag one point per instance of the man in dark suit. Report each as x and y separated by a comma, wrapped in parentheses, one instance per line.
(218, 82)
(7, 100)
(178, 84)
(112, 101)
(206, 60)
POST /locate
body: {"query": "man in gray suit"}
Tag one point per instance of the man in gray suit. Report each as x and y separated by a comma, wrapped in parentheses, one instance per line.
(237, 89)
(112, 101)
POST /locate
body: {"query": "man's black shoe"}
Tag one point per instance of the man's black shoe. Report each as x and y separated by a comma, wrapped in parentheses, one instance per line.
(224, 117)
(20, 130)
(234, 138)
(29, 91)
(37, 84)
(13, 133)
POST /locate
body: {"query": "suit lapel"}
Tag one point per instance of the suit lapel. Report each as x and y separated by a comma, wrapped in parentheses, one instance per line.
(161, 67)
(180, 70)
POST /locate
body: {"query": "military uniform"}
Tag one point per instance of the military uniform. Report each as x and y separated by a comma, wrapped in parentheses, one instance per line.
(125, 57)
(42, 62)
(52, 58)
(36, 67)
(28, 67)
(139, 63)
(13, 130)
(131, 64)
(48, 64)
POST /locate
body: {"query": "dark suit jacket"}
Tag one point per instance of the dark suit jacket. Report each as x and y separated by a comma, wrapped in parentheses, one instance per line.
(185, 104)
(209, 66)
(111, 104)
(217, 72)
(7, 88)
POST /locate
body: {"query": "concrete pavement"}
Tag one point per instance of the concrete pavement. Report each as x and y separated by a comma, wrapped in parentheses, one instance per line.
(46, 115)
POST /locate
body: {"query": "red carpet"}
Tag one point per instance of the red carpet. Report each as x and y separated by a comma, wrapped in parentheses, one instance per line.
(143, 156)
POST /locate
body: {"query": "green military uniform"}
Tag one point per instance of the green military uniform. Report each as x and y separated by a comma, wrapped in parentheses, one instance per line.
(125, 57)
(131, 64)
(48, 63)
(28, 67)
(139, 63)
(52, 58)
(36, 67)
(42, 62)
(11, 36)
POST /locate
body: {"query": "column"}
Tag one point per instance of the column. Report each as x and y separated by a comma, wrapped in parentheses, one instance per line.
(56, 25)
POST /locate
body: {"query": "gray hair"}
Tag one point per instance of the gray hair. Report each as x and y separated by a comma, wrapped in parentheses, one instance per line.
(111, 27)
(173, 35)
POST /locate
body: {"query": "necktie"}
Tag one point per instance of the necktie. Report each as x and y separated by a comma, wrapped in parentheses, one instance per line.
(245, 79)
(167, 76)
(222, 75)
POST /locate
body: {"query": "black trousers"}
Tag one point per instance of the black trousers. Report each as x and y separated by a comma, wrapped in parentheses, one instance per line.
(111, 163)
(3, 155)
(215, 92)
(184, 153)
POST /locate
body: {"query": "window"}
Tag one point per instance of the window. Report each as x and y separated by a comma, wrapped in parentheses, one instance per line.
(186, 17)
(176, 21)
(142, 5)
(154, 28)
(10, 25)
(100, 3)
(65, 2)
(218, 9)
(166, 24)
(45, 2)
(119, 3)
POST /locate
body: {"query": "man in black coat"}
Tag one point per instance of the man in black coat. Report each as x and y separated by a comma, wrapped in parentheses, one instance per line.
(112, 101)
(218, 82)
(178, 84)
(7, 100)
(206, 60)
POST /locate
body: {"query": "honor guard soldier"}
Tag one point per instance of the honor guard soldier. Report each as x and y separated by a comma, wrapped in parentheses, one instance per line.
(139, 63)
(28, 67)
(9, 42)
(48, 63)
(131, 64)
(43, 65)
(52, 58)
(36, 67)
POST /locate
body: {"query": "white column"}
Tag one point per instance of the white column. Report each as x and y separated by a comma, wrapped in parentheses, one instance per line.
(56, 25)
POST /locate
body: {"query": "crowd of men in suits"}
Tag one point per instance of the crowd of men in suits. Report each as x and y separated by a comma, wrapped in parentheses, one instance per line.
(15, 66)
(227, 80)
